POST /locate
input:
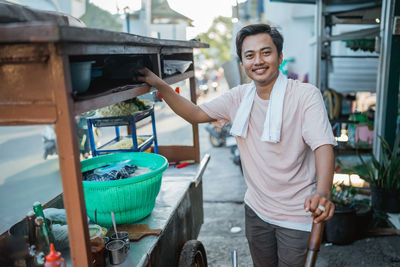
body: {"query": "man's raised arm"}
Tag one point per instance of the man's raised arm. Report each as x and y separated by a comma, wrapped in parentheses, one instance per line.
(179, 104)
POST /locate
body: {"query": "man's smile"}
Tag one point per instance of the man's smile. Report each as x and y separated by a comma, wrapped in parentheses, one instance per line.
(260, 70)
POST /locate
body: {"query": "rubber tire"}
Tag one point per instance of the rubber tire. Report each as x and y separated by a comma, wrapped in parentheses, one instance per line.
(193, 254)
(216, 142)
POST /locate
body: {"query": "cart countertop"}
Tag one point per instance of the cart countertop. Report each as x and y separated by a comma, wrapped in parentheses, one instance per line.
(35, 32)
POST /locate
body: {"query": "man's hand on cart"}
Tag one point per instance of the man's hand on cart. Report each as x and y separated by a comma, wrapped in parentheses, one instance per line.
(322, 208)
(147, 76)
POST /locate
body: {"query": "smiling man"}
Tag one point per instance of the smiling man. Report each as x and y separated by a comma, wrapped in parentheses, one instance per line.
(285, 142)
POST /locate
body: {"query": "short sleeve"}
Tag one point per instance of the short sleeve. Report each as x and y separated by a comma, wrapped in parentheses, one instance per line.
(223, 107)
(316, 128)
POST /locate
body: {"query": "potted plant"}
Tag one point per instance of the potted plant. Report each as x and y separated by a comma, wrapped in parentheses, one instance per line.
(352, 216)
(341, 228)
(383, 176)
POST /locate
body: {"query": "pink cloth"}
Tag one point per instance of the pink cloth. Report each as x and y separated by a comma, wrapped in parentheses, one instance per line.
(279, 176)
(364, 134)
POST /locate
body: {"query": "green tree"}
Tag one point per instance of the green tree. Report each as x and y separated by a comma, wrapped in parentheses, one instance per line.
(96, 17)
(219, 37)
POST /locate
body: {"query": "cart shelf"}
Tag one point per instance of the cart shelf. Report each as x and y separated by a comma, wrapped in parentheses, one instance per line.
(140, 148)
(101, 97)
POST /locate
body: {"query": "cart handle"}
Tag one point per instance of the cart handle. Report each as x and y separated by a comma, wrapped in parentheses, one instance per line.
(314, 243)
(202, 168)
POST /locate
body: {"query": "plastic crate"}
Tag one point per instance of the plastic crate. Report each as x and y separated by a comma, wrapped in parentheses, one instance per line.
(117, 121)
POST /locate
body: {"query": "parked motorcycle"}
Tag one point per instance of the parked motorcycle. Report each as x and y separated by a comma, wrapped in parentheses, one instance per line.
(203, 87)
(219, 135)
(236, 156)
(49, 141)
(214, 85)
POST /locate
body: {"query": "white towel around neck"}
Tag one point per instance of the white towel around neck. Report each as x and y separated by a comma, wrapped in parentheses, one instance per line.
(273, 119)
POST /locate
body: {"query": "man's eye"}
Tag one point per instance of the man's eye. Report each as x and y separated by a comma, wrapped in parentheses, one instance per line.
(249, 56)
(267, 53)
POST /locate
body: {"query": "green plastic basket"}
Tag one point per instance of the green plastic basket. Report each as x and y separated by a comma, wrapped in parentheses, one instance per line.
(131, 199)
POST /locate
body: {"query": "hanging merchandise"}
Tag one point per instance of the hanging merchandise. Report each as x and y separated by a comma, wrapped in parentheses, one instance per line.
(333, 101)
(367, 45)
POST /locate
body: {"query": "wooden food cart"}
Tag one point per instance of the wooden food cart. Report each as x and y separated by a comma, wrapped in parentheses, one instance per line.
(35, 88)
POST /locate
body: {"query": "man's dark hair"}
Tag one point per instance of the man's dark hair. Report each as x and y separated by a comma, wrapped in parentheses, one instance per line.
(256, 29)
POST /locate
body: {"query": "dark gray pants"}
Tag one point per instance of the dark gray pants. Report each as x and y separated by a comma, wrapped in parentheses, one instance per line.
(272, 245)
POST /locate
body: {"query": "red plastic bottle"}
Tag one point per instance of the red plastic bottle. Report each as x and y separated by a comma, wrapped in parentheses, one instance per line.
(54, 259)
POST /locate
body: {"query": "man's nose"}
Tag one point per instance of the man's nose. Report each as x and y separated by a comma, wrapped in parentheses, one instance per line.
(258, 59)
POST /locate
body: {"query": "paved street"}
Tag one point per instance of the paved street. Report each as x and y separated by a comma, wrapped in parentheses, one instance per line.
(25, 177)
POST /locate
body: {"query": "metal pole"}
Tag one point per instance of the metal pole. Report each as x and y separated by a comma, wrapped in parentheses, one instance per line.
(128, 30)
(237, 10)
(383, 73)
(327, 57)
(234, 259)
(318, 41)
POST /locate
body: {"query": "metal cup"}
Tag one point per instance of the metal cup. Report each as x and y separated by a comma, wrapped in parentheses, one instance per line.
(117, 251)
(106, 239)
(124, 236)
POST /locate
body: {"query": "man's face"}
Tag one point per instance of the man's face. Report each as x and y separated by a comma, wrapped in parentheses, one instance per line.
(260, 58)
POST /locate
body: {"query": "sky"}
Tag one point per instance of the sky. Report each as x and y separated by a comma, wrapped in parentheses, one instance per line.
(202, 12)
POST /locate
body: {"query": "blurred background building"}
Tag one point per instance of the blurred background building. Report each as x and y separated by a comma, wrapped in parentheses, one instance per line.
(156, 19)
(76, 8)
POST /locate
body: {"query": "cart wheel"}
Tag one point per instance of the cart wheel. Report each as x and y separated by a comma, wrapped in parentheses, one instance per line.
(193, 254)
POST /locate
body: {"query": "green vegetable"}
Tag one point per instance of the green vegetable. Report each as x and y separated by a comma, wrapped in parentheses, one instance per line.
(124, 108)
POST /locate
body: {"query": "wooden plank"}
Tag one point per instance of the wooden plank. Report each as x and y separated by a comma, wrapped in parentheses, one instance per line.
(89, 35)
(174, 50)
(105, 49)
(179, 56)
(23, 74)
(45, 32)
(155, 60)
(23, 114)
(57, 202)
(67, 143)
(23, 53)
(179, 77)
(109, 98)
(195, 126)
(177, 153)
(29, 32)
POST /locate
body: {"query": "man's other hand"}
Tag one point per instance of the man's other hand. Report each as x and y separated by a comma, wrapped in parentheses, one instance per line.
(322, 208)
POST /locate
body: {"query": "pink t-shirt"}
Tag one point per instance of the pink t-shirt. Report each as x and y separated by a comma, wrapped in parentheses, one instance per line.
(279, 176)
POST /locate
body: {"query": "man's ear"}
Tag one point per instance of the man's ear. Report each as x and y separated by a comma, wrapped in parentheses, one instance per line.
(241, 63)
(280, 58)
